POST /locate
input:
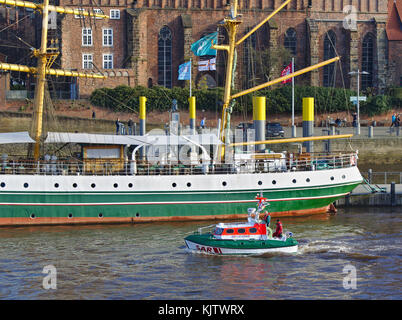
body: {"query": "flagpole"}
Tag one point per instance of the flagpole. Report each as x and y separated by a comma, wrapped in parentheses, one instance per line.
(190, 76)
(293, 100)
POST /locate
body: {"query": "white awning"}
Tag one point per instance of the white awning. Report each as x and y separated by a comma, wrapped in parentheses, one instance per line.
(15, 137)
(89, 138)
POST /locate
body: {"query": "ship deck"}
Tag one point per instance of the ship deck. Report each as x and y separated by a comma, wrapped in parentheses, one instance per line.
(103, 167)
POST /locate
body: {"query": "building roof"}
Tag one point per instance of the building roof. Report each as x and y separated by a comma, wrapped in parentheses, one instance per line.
(394, 24)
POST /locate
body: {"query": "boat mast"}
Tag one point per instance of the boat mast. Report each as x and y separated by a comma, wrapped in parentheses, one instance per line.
(231, 24)
(45, 59)
(41, 80)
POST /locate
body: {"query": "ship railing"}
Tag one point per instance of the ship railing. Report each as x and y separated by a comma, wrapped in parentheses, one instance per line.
(292, 162)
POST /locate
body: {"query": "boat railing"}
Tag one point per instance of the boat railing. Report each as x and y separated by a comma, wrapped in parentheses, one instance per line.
(292, 162)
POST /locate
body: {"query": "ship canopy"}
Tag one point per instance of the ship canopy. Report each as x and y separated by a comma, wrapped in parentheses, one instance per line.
(88, 138)
(15, 137)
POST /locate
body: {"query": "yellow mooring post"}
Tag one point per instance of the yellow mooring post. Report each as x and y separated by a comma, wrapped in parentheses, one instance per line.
(192, 114)
(259, 109)
(142, 121)
(308, 122)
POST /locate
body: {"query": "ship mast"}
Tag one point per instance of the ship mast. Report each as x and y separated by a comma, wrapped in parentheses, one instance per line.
(231, 23)
(45, 58)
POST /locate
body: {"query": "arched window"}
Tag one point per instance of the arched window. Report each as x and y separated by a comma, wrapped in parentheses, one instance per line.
(165, 57)
(291, 41)
(329, 53)
(367, 61)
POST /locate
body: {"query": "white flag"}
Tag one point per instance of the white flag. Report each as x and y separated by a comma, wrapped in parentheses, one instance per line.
(205, 65)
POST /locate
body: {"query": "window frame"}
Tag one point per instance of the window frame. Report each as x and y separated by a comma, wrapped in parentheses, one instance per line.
(108, 37)
(84, 61)
(112, 16)
(106, 61)
(88, 37)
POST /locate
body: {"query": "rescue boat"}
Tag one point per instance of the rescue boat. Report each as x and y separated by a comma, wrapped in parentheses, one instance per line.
(253, 237)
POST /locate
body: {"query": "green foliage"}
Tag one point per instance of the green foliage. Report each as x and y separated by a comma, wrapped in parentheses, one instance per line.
(327, 100)
(376, 105)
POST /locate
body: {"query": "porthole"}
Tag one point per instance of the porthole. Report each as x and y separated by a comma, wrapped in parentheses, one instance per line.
(252, 230)
(229, 231)
(174, 185)
(308, 180)
(74, 185)
(115, 185)
(130, 185)
(224, 183)
(273, 181)
(332, 178)
(188, 184)
(2, 184)
(259, 183)
(93, 185)
(137, 214)
(26, 185)
(100, 215)
(33, 216)
(343, 177)
(294, 180)
(70, 215)
(241, 230)
(56, 185)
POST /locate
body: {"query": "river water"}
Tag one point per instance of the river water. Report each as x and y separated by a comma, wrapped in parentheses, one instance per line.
(149, 261)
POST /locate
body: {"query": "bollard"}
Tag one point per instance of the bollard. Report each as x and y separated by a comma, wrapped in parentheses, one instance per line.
(294, 131)
(142, 122)
(393, 194)
(371, 132)
(370, 175)
(308, 122)
(259, 107)
(192, 114)
(332, 130)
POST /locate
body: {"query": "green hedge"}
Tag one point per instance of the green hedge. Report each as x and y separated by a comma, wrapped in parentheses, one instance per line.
(327, 100)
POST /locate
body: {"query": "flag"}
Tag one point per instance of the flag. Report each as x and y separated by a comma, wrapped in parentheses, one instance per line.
(202, 47)
(206, 65)
(286, 71)
(185, 71)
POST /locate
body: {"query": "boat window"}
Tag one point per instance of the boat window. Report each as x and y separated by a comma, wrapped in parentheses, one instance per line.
(241, 230)
(74, 185)
(252, 230)
(218, 231)
(294, 180)
(115, 185)
(130, 185)
(332, 178)
(229, 230)
(259, 182)
(2, 184)
(273, 182)
(308, 180)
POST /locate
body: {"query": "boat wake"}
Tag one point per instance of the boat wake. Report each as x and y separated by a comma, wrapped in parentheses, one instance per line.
(338, 248)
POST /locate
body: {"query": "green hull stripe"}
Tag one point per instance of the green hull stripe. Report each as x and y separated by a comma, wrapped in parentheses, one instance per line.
(163, 205)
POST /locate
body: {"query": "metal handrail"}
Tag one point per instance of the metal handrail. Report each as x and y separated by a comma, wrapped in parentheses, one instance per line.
(295, 162)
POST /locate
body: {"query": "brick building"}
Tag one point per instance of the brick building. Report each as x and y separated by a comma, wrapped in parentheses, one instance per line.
(145, 41)
(394, 33)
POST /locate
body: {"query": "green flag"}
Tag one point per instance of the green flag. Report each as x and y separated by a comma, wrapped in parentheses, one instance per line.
(203, 46)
